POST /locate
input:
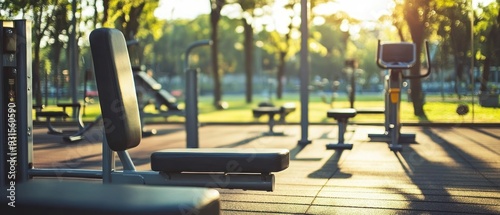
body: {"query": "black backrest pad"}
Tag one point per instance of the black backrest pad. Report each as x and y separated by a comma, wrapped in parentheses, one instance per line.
(115, 84)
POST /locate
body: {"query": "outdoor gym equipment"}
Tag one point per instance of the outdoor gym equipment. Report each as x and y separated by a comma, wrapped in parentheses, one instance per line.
(396, 57)
(224, 168)
(149, 91)
(24, 195)
(271, 111)
(342, 116)
(192, 137)
(48, 115)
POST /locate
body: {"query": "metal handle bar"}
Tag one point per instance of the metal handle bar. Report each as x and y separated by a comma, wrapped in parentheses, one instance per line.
(428, 59)
(429, 65)
(191, 47)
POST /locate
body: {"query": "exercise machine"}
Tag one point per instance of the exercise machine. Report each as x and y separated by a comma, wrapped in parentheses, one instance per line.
(222, 168)
(342, 116)
(396, 57)
(271, 111)
(24, 195)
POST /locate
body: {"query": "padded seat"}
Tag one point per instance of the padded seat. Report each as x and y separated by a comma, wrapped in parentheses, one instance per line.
(374, 110)
(52, 114)
(271, 111)
(82, 198)
(228, 160)
(342, 116)
(266, 110)
(341, 113)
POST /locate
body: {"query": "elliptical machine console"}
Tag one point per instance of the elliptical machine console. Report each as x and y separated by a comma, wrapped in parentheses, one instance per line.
(396, 57)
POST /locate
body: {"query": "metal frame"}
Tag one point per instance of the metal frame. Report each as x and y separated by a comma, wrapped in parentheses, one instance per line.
(18, 65)
(393, 81)
(15, 77)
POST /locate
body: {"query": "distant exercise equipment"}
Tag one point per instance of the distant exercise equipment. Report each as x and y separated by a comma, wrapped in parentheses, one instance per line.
(24, 194)
(396, 57)
(342, 116)
(61, 115)
(145, 84)
(271, 111)
(149, 91)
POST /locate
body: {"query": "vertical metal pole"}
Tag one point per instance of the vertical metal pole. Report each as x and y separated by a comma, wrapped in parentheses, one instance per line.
(15, 98)
(3, 102)
(108, 161)
(24, 97)
(192, 139)
(471, 15)
(304, 75)
(73, 60)
(192, 108)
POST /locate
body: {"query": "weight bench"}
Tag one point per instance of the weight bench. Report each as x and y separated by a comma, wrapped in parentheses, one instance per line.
(248, 169)
(58, 114)
(81, 198)
(342, 116)
(271, 111)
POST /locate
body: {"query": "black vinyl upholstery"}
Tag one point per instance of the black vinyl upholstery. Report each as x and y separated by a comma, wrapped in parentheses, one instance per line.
(84, 198)
(229, 160)
(115, 83)
(341, 113)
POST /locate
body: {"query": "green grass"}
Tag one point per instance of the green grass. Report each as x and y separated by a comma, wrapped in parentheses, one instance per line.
(437, 110)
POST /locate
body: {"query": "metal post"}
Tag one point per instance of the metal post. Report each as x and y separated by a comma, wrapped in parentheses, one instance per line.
(192, 97)
(304, 75)
(16, 122)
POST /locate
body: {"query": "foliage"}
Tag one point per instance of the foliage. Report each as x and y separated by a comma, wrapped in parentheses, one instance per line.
(163, 42)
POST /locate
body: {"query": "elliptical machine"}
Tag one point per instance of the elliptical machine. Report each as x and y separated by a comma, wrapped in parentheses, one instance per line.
(396, 57)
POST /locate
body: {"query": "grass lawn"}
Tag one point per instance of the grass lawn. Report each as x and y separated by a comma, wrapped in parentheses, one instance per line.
(437, 109)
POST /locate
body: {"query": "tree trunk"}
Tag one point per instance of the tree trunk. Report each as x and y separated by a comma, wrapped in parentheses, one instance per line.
(214, 21)
(249, 62)
(279, 75)
(417, 31)
(486, 74)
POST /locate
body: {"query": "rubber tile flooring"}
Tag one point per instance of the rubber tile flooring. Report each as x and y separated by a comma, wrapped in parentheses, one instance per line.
(448, 170)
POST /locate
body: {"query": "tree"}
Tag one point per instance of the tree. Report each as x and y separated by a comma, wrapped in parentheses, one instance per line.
(455, 28)
(135, 19)
(215, 16)
(488, 36)
(248, 6)
(416, 14)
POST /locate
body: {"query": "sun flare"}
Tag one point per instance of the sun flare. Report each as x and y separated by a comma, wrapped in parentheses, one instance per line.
(366, 10)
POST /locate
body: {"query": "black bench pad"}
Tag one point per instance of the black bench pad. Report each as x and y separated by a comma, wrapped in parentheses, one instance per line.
(370, 111)
(51, 114)
(228, 160)
(83, 198)
(285, 109)
(266, 110)
(341, 113)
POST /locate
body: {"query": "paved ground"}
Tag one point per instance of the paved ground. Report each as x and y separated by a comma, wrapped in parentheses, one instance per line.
(450, 170)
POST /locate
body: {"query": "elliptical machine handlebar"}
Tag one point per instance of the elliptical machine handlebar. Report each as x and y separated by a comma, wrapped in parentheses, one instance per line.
(401, 56)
